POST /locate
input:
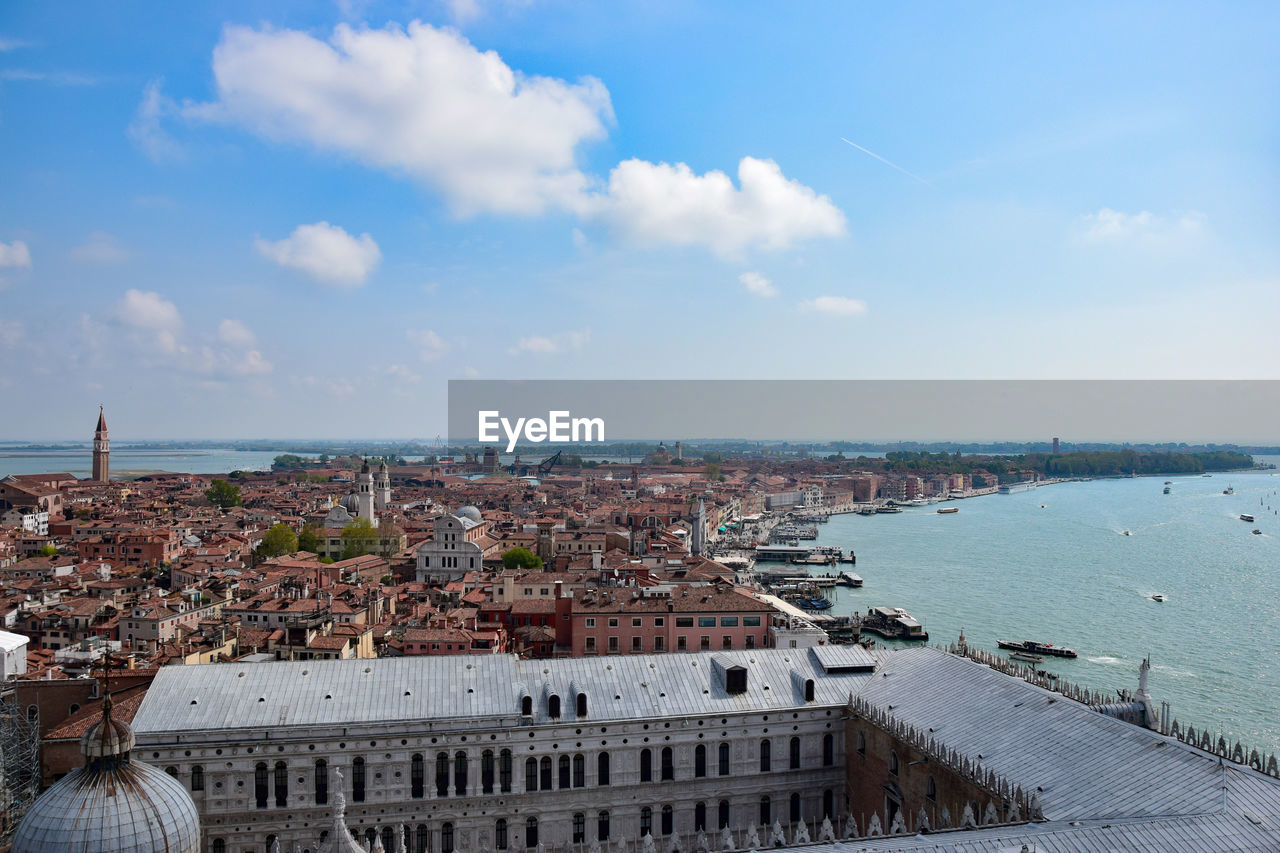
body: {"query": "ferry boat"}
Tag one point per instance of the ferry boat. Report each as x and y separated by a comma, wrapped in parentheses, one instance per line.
(1229, 490)
(1031, 647)
(947, 510)
(1013, 488)
(1244, 516)
(893, 623)
(849, 579)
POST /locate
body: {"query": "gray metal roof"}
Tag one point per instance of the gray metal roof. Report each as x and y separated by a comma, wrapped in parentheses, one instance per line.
(482, 688)
(1085, 765)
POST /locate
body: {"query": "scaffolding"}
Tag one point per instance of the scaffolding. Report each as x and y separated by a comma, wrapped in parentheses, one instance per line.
(20, 760)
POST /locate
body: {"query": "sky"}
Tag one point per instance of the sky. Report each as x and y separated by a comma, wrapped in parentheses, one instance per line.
(240, 220)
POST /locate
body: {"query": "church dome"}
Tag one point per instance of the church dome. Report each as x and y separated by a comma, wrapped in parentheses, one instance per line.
(351, 503)
(111, 805)
(471, 513)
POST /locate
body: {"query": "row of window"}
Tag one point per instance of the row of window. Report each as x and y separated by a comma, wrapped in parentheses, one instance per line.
(660, 643)
(539, 774)
(420, 839)
(682, 621)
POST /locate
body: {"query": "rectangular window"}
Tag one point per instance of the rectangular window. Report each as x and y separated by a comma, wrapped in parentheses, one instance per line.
(613, 621)
(659, 621)
(728, 621)
(636, 621)
(706, 621)
(684, 621)
(591, 621)
(704, 642)
(682, 643)
(751, 621)
(591, 644)
(637, 644)
(613, 644)
(659, 644)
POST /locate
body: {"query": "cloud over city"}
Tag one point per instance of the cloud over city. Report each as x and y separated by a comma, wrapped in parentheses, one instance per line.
(835, 306)
(326, 253)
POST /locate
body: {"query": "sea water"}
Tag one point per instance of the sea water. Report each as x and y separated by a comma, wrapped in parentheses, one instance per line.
(1053, 565)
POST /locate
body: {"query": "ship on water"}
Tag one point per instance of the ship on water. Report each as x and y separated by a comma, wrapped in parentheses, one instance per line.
(1014, 488)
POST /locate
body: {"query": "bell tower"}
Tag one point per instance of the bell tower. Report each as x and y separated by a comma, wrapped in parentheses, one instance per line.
(101, 450)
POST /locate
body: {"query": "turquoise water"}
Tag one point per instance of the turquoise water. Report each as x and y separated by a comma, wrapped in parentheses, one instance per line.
(123, 460)
(1005, 567)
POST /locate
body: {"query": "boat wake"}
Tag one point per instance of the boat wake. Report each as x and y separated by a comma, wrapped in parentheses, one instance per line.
(1107, 660)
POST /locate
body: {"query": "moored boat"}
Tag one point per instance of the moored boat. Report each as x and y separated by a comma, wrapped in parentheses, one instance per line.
(1034, 648)
(1026, 657)
(893, 623)
(947, 510)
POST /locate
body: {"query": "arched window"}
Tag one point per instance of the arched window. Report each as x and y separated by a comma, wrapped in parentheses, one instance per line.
(828, 750)
(33, 714)
(388, 839)
(531, 774)
(197, 778)
(862, 744)
(526, 706)
(808, 690)
(260, 784)
(724, 758)
(646, 821)
(795, 753)
(446, 838)
(553, 706)
(724, 814)
(421, 839)
(602, 826)
(460, 774)
(582, 705)
(579, 827)
(504, 771)
(563, 768)
(579, 771)
(357, 780)
(795, 808)
(486, 772)
(370, 836)
(602, 769)
(531, 833)
(172, 771)
(766, 811)
(699, 817)
(219, 846)
(321, 781)
(667, 820)
(646, 766)
(282, 785)
(828, 803)
(668, 764)
(544, 774)
(766, 756)
(442, 774)
(893, 762)
(500, 834)
(699, 761)
(931, 789)
(417, 776)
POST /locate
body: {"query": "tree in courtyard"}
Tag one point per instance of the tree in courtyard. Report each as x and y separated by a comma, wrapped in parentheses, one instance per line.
(521, 558)
(359, 538)
(309, 539)
(712, 472)
(277, 541)
(223, 494)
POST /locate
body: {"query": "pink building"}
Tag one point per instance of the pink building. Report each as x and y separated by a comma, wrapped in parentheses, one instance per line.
(643, 620)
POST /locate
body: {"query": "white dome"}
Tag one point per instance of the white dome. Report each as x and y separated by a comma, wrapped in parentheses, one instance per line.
(470, 512)
(111, 805)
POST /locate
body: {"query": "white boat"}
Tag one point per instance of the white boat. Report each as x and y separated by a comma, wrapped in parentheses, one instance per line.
(1157, 597)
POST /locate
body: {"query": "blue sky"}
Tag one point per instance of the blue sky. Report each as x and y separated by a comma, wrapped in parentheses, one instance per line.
(221, 224)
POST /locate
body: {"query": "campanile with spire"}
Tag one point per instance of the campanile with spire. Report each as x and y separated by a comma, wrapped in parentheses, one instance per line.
(101, 450)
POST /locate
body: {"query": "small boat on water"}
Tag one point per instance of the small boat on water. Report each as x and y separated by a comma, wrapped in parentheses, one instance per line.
(1168, 482)
(1244, 516)
(1167, 490)
(814, 603)
(849, 579)
(1157, 597)
(1026, 657)
(1031, 647)
(1257, 532)
(1125, 533)
(947, 510)
(1229, 491)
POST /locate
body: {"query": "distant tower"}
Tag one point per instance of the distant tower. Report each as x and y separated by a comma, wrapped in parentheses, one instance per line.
(679, 450)
(101, 450)
(364, 492)
(700, 529)
(1055, 444)
(382, 496)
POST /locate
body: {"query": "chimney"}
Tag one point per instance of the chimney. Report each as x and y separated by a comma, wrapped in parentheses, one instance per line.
(559, 589)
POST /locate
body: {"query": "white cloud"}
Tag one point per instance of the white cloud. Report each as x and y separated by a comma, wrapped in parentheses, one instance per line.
(422, 101)
(148, 311)
(11, 333)
(15, 254)
(54, 78)
(233, 333)
(835, 306)
(430, 345)
(758, 284)
(325, 252)
(147, 129)
(402, 373)
(7, 44)
(543, 345)
(100, 248)
(1114, 226)
(662, 204)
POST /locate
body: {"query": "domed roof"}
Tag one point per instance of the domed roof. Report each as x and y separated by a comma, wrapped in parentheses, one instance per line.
(470, 512)
(351, 503)
(111, 805)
